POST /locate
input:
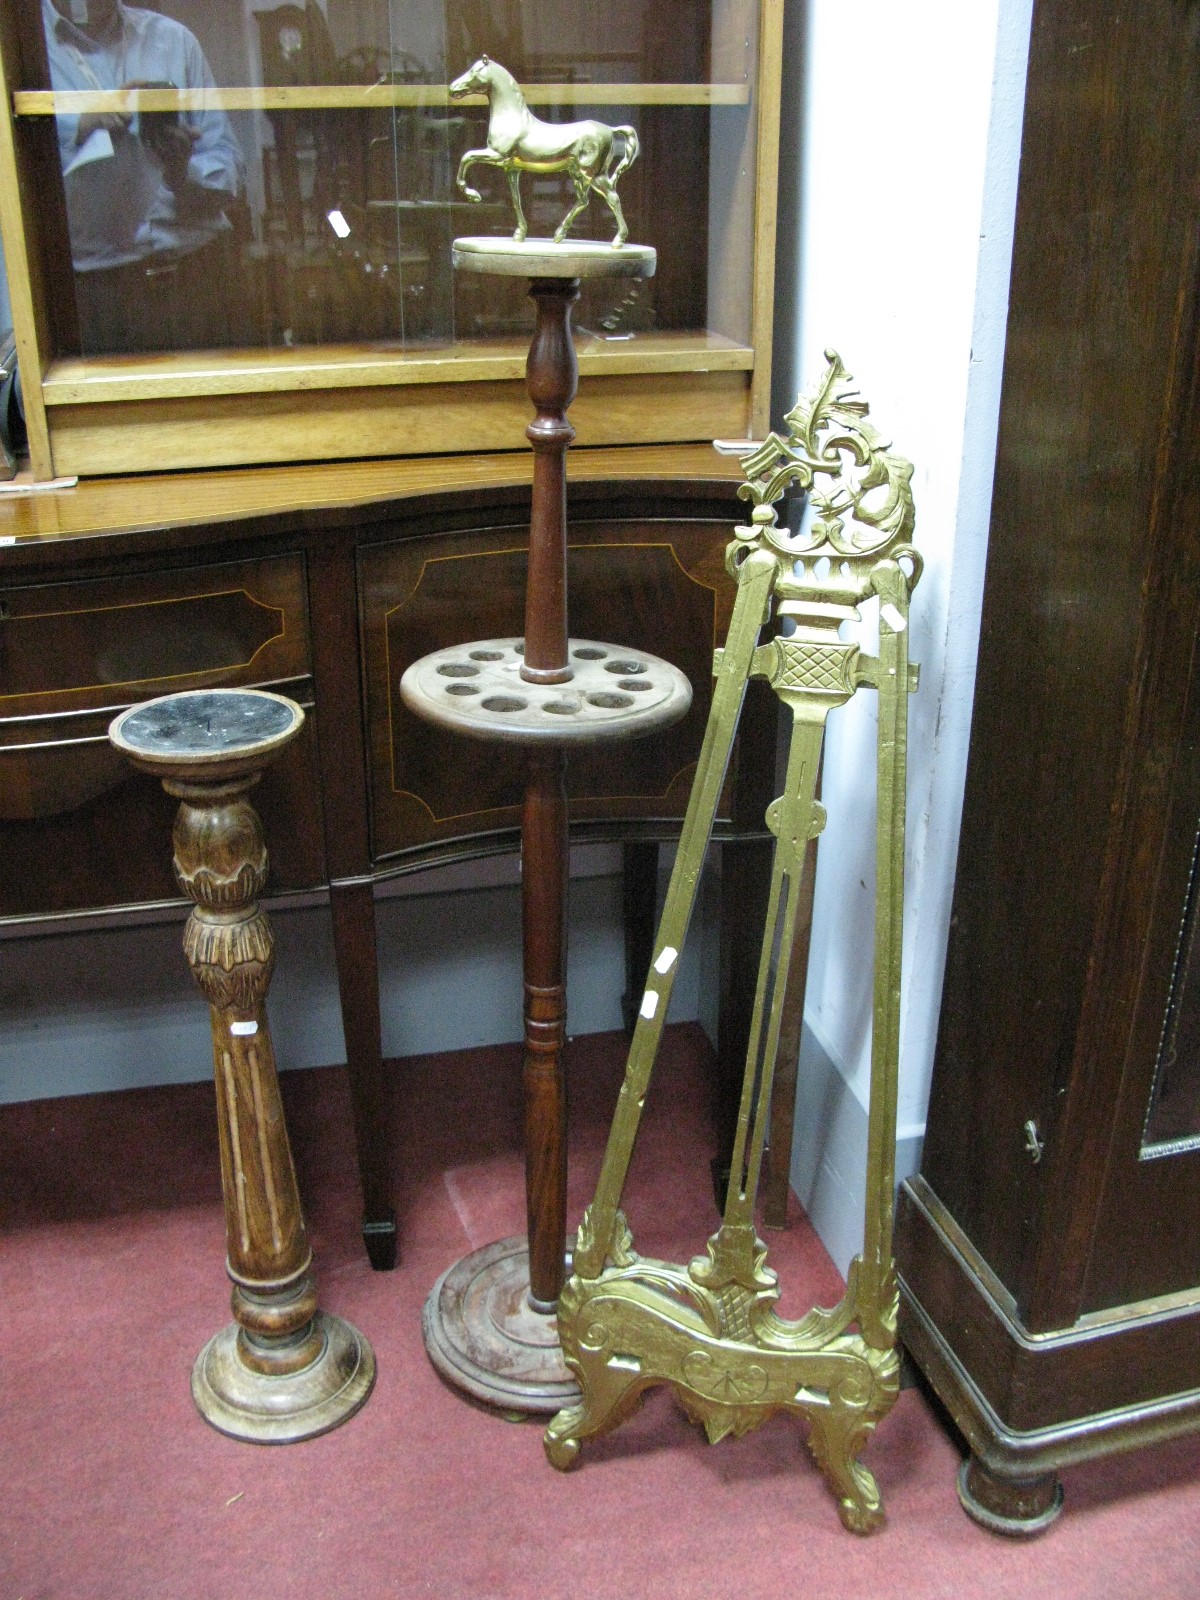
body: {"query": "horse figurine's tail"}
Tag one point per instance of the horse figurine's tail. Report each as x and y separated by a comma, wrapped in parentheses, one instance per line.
(629, 155)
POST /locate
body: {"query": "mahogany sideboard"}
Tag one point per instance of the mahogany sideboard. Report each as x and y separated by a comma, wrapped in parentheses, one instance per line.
(324, 582)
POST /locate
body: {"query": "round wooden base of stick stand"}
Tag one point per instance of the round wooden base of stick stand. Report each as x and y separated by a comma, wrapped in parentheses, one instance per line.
(484, 1336)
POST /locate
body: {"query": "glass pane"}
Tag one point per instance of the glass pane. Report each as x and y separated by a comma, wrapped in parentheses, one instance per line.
(321, 209)
(6, 322)
(1174, 1111)
(12, 423)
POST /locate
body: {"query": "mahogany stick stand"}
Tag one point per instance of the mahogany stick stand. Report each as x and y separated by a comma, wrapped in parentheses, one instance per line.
(282, 1370)
(489, 1321)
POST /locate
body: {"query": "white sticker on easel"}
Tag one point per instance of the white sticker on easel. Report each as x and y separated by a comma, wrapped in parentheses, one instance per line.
(666, 959)
(893, 618)
(243, 1029)
(649, 1004)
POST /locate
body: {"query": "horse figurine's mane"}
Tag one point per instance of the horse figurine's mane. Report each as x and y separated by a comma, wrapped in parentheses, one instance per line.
(517, 142)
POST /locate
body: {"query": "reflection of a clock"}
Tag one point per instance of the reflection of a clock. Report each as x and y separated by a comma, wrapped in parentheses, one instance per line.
(296, 45)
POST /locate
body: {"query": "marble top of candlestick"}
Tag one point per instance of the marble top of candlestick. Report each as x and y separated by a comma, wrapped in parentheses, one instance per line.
(612, 693)
(542, 258)
(206, 733)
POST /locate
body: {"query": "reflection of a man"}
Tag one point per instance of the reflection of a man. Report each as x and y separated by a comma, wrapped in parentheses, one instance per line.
(147, 194)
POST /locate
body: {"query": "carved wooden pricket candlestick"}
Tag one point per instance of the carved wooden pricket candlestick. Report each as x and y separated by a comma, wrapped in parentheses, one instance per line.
(490, 1321)
(283, 1370)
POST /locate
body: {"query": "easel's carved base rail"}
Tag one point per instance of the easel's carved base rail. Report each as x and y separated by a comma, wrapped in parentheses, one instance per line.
(727, 1384)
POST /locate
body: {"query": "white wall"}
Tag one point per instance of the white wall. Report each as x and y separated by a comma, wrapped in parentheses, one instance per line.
(900, 184)
(109, 1008)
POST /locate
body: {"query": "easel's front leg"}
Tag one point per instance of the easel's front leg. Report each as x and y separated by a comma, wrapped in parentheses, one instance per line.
(835, 1438)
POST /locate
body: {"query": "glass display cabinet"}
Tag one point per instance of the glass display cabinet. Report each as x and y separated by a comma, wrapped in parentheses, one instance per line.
(228, 226)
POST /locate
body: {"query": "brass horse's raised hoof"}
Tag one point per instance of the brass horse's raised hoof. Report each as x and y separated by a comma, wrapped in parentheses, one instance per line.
(517, 142)
(710, 1330)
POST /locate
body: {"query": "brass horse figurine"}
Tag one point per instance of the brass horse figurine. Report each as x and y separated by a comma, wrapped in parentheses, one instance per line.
(517, 141)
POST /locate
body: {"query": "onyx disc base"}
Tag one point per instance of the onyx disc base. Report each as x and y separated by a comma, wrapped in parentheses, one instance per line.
(483, 1336)
(551, 258)
(267, 1410)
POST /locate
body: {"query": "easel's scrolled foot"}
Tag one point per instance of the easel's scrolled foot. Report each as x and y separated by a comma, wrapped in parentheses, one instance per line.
(833, 1442)
(859, 1518)
(562, 1449)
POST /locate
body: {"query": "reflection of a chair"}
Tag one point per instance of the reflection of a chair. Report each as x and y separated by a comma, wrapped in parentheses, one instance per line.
(405, 182)
(594, 66)
(296, 49)
(344, 280)
(419, 219)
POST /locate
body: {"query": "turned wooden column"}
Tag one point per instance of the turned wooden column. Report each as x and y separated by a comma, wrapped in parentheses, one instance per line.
(551, 380)
(283, 1369)
(545, 862)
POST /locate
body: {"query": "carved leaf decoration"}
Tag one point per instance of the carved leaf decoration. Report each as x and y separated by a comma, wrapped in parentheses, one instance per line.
(734, 1255)
(618, 1247)
(820, 1326)
(849, 471)
(878, 1298)
(585, 1235)
(832, 398)
(889, 1301)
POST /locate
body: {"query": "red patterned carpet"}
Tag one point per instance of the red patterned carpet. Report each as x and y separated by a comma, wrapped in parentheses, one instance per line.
(112, 1488)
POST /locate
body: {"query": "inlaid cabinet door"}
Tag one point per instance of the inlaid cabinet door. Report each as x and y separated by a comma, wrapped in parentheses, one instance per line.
(656, 586)
(1146, 973)
(75, 823)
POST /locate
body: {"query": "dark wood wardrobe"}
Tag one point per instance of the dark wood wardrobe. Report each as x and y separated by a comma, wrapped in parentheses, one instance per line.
(1050, 1246)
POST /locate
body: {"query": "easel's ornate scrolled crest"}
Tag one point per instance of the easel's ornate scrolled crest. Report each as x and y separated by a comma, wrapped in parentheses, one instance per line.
(859, 488)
